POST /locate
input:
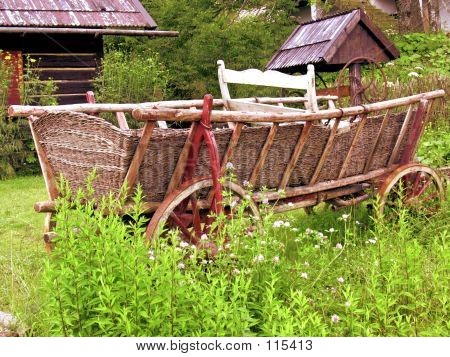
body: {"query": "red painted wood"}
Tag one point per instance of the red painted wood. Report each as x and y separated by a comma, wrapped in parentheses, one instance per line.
(416, 130)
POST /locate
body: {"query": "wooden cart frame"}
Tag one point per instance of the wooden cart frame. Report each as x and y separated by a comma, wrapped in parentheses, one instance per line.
(193, 216)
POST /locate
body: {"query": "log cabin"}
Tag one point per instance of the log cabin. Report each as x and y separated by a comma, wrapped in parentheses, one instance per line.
(64, 39)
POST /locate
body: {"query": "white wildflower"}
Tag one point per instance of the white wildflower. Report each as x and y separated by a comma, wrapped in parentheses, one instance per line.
(347, 304)
(181, 266)
(290, 204)
(184, 244)
(287, 224)
(265, 200)
(331, 230)
(340, 280)
(246, 183)
(335, 318)
(151, 257)
(178, 249)
(372, 241)
(233, 203)
(413, 74)
(320, 234)
(263, 242)
(232, 255)
(317, 246)
(227, 246)
(236, 271)
(259, 258)
(339, 246)
(308, 231)
(193, 247)
(192, 256)
(390, 64)
(294, 229)
(204, 237)
(277, 224)
(304, 275)
(419, 68)
(229, 166)
(306, 264)
(276, 259)
(345, 216)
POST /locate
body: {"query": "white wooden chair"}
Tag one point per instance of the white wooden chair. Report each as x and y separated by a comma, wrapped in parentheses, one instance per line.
(268, 79)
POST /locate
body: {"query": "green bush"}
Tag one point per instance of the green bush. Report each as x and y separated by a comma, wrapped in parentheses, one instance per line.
(17, 153)
(131, 77)
(354, 278)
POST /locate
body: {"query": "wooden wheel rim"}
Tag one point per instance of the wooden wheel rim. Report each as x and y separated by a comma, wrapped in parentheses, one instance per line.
(163, 212)
(401, 172)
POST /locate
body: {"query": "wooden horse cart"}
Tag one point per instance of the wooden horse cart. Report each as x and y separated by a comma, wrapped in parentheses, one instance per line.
(296, 160)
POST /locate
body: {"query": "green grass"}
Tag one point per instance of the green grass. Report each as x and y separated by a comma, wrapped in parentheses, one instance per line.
(398, 286)
(21, 246)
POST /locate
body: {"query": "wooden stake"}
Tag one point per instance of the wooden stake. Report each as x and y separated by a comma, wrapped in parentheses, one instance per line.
(346, 162)
(133, 170)
(325, 153)
(377, 142)
(401, 135)
(177, 174)
(263, 155)
(295, 156)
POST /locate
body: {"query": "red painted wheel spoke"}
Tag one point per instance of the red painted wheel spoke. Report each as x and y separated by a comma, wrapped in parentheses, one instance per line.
(426, 184)
(196, 217)
(175, 219)
(415, 186)
(433, 196)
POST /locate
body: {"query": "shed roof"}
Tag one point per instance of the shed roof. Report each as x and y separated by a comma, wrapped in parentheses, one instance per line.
(317, 42)
(75, 13)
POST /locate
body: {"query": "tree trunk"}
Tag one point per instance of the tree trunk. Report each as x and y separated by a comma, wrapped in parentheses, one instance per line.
(431, 12)
(410, 16)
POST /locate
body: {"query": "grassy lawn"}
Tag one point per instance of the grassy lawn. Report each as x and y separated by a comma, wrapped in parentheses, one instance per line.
(21, 245)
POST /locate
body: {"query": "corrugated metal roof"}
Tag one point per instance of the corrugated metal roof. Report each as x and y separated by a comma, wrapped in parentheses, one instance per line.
(75, 13)
(311, 42)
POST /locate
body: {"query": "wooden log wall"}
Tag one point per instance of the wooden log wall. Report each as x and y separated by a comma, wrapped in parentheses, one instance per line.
(70, 60)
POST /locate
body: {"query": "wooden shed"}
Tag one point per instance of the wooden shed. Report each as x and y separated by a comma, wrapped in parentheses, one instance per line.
(330, 42)
(64, 38)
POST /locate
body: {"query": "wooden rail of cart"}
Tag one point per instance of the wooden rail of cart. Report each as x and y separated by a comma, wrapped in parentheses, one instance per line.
(310, 157)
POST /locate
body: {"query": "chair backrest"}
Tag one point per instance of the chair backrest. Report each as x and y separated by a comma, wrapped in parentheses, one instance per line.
(268, 79)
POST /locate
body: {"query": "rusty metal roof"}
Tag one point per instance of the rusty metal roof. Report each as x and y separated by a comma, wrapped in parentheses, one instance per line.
(75, 13)
(316, 41)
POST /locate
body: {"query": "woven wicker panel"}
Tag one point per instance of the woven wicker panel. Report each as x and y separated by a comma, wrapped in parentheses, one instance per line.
(75, 143)
(399, 119)
(339, 149)
(159, 162)
(312, 151)
(247, 150)
(279, 154)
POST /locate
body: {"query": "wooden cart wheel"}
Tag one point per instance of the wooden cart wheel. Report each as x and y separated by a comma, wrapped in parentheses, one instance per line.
(418, 187)
(195, 221)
